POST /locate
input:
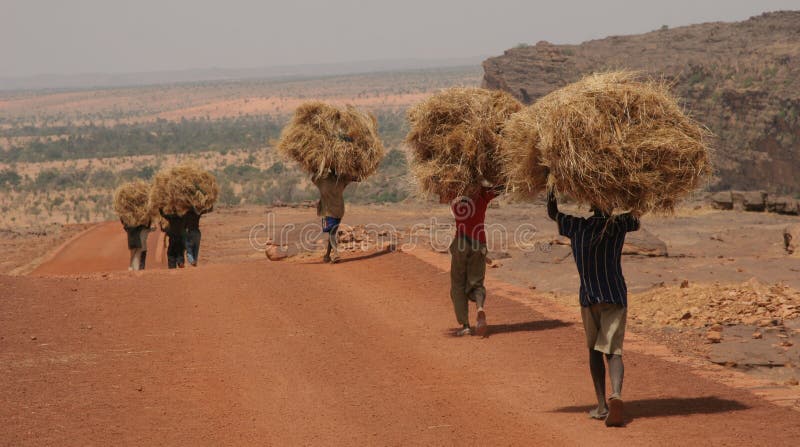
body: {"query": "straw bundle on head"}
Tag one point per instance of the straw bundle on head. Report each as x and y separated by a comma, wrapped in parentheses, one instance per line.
(520, 158)
(131, 203)
(620, 143)
(322, 137)
(179, 189)
(454, 137)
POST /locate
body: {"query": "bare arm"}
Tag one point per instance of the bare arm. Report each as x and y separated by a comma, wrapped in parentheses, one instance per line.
(552, 205)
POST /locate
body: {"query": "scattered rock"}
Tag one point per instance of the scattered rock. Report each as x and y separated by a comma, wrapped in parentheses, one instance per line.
(684, 284)
(757, 335)
(749, 200)
(793, 381)
(276, 253)
(714, 336)
(33, 338)
(722, 200)
(644, 243)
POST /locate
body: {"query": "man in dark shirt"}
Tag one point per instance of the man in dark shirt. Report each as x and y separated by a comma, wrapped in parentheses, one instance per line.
(176, 225)
(468, 259)
(192, 222)
(597, 249)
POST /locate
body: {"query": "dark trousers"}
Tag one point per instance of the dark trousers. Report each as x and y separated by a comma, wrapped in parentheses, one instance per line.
(175, 251)
(192, 245)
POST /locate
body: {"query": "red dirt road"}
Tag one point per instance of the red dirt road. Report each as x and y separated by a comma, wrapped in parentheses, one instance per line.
(102, 248)
(357, 353)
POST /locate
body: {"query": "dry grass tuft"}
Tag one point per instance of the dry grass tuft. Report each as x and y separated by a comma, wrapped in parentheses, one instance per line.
(131, 203)
(615, 141)
(321, 137)
(454, 137)
(179, 189)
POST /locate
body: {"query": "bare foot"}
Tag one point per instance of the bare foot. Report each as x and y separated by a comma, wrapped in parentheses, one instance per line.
(616, 417)
(480, 326)
(599, 413)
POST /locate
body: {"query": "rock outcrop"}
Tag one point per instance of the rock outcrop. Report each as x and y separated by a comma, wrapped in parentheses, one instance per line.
(742, 80)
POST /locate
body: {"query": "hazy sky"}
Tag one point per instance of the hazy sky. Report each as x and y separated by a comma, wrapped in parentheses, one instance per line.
(78, 36)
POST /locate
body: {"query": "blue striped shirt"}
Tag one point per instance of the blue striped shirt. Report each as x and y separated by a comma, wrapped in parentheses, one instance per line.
(597, 248)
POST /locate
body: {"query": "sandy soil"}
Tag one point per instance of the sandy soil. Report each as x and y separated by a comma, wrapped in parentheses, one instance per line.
(245, 351)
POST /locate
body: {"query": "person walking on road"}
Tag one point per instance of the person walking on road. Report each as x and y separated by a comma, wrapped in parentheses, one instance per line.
(468, 259)
(331, 209)
(137, 244)
(192, 237)
(176, 226)
(597, 249)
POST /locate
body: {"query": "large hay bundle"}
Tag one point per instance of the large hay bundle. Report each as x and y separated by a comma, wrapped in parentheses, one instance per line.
(321, 137)
(131, 203)
(454, 138)
(520, 158)
(182, 188)
(616, 141)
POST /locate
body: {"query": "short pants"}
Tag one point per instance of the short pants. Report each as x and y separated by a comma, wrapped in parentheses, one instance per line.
(604, 325)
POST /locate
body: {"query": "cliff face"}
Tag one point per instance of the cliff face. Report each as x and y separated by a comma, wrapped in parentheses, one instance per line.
(742, 80)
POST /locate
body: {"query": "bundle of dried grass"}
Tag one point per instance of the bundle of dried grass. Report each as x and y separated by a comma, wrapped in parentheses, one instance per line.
(131, 203)
(454, 138)
(520, 159)
(321, 138)
(182, 188)
(616, 141)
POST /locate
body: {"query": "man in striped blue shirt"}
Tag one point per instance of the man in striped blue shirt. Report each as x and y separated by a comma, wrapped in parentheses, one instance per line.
(597, 248)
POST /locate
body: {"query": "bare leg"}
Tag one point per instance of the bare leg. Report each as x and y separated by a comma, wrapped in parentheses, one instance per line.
(616, 371)
(598, 368)
(327, 257)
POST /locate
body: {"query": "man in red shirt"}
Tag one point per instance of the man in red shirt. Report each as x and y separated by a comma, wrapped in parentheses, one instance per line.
(468, 262)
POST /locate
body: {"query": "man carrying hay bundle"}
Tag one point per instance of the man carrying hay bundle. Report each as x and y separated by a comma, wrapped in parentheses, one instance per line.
(131, 204)
(336, 146)
(454, 136)
(615, 142)
(174, 233)
(193, 234)
(468, 259)
(330, 208)
(597, 249)
(179, 194)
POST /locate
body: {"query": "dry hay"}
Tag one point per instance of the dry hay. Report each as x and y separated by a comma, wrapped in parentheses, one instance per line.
(520, 158)
(616, 141)
(181, 188)
(454, 137)
(131, 203)
(321, 138)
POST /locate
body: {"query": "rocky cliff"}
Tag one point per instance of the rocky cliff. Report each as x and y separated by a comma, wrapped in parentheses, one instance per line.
(742, 80)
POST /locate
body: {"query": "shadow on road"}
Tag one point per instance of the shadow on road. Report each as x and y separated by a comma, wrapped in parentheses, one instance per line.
(652, 408)
(365, 257)
(527, 326)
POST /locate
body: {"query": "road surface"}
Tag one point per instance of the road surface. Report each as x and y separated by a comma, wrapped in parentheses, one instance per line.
(302, 353)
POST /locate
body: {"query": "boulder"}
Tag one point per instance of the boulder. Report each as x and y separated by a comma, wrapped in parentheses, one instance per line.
(722, 200)
(783, 205)
(644, 243)
(749, 200)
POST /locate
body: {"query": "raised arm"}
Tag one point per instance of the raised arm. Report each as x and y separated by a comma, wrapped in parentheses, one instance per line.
(552, 205)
